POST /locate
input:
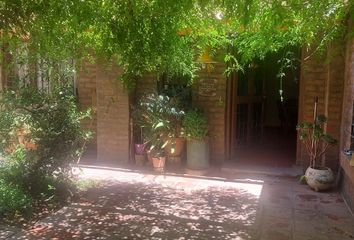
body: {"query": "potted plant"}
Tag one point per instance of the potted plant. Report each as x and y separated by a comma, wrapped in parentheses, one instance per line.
(155, 119)
(139, 145)
(139, 139)
(195, 127)
(157, 152)
(316, 142)
(176, 142)
(175, 86)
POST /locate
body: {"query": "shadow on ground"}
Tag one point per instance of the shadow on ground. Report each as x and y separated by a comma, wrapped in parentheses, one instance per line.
(159, 208)
(133, 205)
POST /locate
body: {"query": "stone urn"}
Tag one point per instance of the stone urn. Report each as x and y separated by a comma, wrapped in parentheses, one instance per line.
(319, 179)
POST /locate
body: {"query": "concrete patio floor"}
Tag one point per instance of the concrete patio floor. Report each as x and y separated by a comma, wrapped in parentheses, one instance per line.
(133, 205)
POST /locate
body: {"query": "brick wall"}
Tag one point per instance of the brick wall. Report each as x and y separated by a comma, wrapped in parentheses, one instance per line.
(87, 98)
(322, 77)
(99, 87)
(112, 116)
(214, 109)
(348, 100)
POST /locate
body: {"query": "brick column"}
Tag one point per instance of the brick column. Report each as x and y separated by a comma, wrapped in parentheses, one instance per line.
(347, 183)
(214, 109)
(322, 77)
(87, 98)
(112, 115)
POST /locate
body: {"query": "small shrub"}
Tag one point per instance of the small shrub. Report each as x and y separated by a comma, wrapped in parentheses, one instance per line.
(13, 199)
(41, 136)
(161, 118)
(195, 125)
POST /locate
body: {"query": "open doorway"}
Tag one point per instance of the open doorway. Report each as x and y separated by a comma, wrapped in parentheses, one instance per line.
(262, 113)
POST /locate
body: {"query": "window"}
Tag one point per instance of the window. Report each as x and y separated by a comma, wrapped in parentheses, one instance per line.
(39, 71)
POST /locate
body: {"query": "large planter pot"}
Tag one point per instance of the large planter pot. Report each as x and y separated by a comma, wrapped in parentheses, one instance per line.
(197, 154)
(139, 148)
(159, 163)
(319, 179)
(175, 147)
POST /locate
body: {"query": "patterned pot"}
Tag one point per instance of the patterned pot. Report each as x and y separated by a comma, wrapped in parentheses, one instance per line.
(319, 179)
(139, 149)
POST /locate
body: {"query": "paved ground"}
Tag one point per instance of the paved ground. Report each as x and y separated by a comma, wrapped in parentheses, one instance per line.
(143, 206)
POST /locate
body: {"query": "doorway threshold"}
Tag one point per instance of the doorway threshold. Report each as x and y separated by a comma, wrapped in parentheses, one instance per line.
(234, 168)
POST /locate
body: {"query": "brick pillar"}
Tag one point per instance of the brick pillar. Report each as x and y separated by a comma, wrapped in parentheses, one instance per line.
(322, 77)
(112, 116)
(347, 183)
(87, 98)
(334, 100)
(214, 109)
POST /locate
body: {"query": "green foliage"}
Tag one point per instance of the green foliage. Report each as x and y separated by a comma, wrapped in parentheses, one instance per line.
(315, 139)
(13, 199)
(302, 179)
(168, 35)
(41, 136)
(195, 125)
(85, 184)
(160, 118)
(49, 122)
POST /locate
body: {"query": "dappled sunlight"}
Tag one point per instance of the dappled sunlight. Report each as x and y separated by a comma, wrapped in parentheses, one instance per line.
(133, 205)
(137, 205)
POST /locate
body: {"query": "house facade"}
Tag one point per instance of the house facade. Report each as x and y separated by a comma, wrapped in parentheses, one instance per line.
(251, 114)
(234, 116)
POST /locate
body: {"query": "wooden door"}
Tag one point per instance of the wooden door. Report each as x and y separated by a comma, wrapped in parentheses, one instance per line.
(246, 94)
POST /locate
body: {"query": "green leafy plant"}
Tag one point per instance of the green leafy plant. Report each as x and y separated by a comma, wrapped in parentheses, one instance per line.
(140, 39)
(41, 136)
(195, 125)
(315, 139)
(160, 118)
(13, 199)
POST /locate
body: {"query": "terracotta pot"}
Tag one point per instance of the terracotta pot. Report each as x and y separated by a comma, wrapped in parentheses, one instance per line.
(159, 163)
(149, 159)
(319, 179)
(139, 148)
(175, 147)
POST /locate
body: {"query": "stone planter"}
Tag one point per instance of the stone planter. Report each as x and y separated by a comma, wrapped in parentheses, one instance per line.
(159, 163)
(197, 154)
(319, 179)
